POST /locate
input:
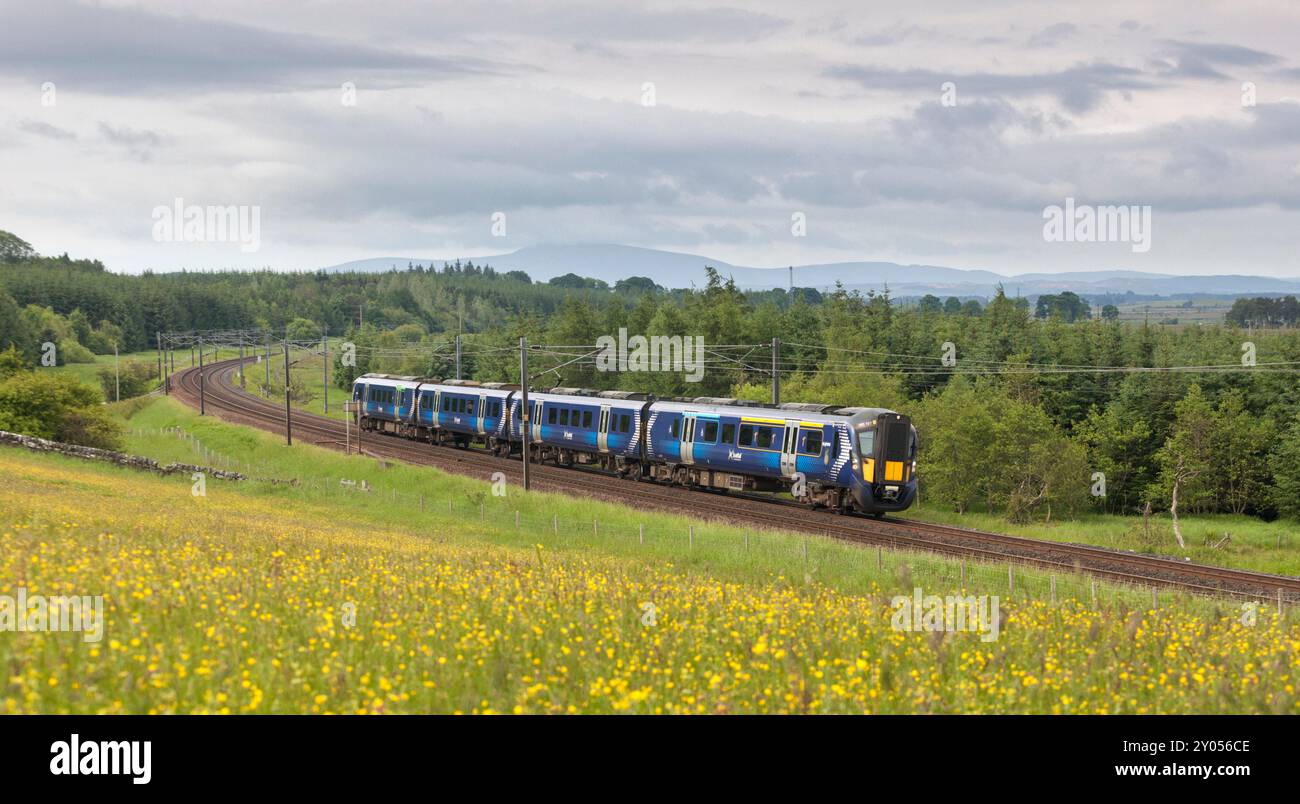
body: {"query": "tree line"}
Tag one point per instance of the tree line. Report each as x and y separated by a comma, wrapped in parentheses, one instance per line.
(1032, 411)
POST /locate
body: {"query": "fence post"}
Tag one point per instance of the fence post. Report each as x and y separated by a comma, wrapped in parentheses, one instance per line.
(1011, 580)
(595, 530)
(963, 573)
(1053, 589)
(690, 536)
(805, 549)
(641, 534)
(516, 519)
(879, 559)
(1093, 583)
(747, 540)
(555, 523)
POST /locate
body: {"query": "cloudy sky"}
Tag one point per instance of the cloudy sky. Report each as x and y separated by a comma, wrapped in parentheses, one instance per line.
(687, 126)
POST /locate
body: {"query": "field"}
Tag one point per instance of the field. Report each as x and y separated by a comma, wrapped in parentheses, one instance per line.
(240, 600)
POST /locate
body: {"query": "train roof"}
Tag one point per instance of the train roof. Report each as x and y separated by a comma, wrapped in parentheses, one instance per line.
(730, 406)
(822, 414)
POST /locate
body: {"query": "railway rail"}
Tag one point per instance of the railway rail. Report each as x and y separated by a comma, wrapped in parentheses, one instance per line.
(232, 404)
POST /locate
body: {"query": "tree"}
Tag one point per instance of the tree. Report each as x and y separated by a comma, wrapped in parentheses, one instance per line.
(1285, 466)
(301, 329)
(638, 284)
(14, 249)
(953, 460)
(1188, 459)
(1110, 313)
(1116, 446)
(930, 304)
(1241, 465)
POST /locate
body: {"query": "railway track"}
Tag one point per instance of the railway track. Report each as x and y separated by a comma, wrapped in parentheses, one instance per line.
(232, 404)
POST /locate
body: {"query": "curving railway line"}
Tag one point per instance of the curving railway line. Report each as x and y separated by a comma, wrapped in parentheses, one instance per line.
(231, 404)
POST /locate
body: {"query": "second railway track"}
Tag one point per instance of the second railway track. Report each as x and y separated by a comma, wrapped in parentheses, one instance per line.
(240, 407)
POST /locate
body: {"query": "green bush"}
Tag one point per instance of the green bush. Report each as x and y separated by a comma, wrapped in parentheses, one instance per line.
(56, 406)
(133, 378)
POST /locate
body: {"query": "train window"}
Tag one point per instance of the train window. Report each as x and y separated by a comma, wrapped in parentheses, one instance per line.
(728, 434)
(766, 435)
(564, 417)
(496, 408)
(709, 432)
(867, 443)
(746, 436)
(625, 423)
(551, 417)
(586, 419)
(812, 443)
(676, 428)
(469, 406)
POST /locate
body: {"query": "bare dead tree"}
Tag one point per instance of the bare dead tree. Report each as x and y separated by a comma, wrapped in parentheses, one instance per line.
(1180, 474)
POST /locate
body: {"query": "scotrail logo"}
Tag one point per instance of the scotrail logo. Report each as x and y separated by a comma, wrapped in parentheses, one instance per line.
(132, 758)
(674, 353)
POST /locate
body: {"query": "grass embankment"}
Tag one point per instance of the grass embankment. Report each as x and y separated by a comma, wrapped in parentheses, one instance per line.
(239, 600)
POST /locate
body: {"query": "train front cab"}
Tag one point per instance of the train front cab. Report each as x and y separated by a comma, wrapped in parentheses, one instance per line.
(884, 465)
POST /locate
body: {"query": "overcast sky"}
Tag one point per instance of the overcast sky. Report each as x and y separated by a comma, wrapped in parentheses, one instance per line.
(540, 111)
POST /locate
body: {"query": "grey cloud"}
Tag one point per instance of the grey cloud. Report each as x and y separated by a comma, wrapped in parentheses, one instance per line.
(124, 51)
(130, 137)
(1078, 88)
(1204, 59)
(42, 129)
(1053, 34)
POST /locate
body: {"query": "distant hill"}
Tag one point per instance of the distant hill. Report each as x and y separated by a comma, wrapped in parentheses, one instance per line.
(673, 269)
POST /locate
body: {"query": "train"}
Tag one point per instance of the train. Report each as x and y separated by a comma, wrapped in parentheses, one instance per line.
(845, 459)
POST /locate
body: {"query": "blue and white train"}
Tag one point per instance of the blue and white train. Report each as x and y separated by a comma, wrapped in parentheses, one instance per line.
(844, 459)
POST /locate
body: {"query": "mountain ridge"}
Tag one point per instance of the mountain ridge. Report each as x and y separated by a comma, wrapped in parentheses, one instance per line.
(611, 262)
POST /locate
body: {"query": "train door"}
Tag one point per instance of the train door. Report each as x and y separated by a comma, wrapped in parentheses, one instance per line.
(789, 446)
(537, 421)
(602, 429)
(688, 438)
(482, 412)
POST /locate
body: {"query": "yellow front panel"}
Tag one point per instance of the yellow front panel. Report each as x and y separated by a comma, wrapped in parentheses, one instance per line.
(869, 470)
(893, 471)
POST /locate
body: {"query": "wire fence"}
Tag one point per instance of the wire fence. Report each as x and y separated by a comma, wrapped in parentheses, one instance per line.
(800, 556)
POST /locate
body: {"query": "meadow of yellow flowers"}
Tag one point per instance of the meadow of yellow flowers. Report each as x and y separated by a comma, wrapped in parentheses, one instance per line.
(237, 603)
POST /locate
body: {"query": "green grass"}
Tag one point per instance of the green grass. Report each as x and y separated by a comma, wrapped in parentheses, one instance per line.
(305, 370)
(1252, 544)
(253, 598)
(402, 494)
(88, 372)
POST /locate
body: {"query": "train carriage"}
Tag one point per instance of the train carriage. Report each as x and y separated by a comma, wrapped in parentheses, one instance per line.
(824, 455)
(841, 458)
(385, 401)
(571, 425)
